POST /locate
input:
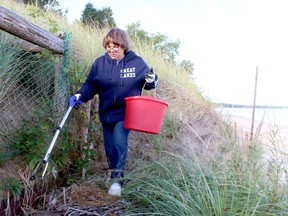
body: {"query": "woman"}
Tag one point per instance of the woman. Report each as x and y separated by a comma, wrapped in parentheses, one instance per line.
(118, 74)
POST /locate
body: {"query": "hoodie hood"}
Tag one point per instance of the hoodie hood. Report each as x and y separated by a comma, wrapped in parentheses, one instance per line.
(127, 57)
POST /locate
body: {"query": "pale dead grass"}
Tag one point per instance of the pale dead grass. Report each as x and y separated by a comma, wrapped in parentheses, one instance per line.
(91, 196)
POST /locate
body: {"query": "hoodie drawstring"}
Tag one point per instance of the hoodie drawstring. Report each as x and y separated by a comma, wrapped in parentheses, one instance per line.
(111, 71)
(122, 69)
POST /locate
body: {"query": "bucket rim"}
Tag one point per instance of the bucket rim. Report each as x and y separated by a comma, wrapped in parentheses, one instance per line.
(149, 98)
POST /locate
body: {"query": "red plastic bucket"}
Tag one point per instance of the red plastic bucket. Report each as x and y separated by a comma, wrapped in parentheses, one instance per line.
(144, 114)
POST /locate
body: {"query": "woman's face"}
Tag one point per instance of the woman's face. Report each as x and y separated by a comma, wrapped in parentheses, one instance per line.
(115, 52)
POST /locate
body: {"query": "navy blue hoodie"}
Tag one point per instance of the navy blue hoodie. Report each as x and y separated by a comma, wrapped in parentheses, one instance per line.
(114, 80)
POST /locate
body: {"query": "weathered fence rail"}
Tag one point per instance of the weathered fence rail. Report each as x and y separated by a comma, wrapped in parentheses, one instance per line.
(16, 25)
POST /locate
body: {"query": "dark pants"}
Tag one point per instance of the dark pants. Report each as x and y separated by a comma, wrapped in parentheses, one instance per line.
(116, 147)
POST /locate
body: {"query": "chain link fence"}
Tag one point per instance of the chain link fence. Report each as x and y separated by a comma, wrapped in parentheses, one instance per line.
(31, 85)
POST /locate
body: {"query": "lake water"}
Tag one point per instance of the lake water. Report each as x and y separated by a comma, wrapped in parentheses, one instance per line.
(267, 115)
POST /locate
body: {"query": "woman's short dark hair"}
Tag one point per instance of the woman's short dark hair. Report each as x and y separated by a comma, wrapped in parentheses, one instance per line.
(118, 37)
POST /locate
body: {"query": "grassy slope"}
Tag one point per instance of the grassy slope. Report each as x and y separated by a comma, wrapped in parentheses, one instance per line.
(195, 117)
(237, 184)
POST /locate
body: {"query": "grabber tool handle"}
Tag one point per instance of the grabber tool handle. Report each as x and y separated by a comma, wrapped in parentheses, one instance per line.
(46, 158)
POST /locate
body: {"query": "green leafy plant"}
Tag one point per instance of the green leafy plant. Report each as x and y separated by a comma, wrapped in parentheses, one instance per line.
(35, 11)
(54, 27)
(30, 142)
(11, 186)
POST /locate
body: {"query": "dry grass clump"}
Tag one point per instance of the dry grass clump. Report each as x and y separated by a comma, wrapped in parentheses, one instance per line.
(91, 196)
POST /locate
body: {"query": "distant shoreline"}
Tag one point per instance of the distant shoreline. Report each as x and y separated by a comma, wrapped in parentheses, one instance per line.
(245, 124)
(226, 105)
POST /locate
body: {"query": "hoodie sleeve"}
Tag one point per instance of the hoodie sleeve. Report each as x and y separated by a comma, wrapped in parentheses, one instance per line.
(89, 88)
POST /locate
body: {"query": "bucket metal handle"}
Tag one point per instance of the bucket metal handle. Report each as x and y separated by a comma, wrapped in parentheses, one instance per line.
(154, 94)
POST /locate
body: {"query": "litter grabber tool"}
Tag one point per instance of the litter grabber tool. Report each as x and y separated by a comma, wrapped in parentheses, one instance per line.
(74, 103)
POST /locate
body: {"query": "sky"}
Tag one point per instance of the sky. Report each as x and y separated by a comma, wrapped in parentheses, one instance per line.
(226, 40)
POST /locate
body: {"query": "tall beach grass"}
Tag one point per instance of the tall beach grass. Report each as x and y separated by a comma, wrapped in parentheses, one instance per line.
(175, 185)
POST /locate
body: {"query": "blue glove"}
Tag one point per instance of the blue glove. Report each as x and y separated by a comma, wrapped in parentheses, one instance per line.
(150, 77)
(75, 101)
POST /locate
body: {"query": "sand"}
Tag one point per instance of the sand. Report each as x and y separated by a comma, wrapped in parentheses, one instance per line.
(245, 124)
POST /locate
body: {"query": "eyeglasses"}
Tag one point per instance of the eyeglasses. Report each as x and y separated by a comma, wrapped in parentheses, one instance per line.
(115, 49)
